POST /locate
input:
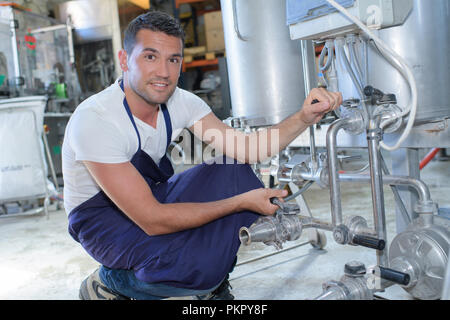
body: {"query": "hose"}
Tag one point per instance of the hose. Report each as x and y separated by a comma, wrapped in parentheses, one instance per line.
(343, 57)
(399, 64)
(328, 49)
(428, 157)
(353, 58)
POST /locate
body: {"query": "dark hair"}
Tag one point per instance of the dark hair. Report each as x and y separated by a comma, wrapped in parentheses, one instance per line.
(154, 21)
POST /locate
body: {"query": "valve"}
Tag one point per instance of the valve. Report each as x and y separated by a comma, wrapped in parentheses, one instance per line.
(377, 97)
(354, 231)
(272, 230)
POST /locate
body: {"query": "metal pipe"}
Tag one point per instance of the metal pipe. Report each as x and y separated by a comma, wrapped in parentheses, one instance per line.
(50, 160)
(374, 136)
(418, 185)
(333, 176)
(308, 222)
(306, 79)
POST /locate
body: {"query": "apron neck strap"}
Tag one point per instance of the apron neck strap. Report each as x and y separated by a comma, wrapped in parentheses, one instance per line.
(166, 114)
(168, 124)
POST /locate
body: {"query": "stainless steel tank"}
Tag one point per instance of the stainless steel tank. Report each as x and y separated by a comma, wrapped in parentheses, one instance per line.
(423, 41)
(264, 64)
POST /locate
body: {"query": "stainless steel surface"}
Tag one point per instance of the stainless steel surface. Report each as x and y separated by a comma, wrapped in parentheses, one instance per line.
(50, 160)
(374, 136)
(236, 22)
(306, 80)
(348, 288)
(446, 286)
(422, 252)
(94, 20)
(423, 41)
(265, 70)
(335, 193)
(272, 230)
(14, 41)
(358, 226)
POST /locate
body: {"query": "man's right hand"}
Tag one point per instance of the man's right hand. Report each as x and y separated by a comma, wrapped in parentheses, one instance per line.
(258, 200)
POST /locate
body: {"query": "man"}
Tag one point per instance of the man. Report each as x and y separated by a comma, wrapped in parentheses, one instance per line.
(157, 234)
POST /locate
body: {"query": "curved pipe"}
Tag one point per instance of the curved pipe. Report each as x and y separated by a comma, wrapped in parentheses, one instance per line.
(333, 176)
(418, 185)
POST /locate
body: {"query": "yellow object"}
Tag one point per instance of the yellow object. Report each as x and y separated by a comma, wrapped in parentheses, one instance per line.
(194, 50)
(210, 56)
(144, 4)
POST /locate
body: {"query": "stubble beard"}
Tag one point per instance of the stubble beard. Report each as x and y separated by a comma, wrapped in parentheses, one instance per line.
(145, 96)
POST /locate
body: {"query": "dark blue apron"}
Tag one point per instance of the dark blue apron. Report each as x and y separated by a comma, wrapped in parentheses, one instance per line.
(197, 258)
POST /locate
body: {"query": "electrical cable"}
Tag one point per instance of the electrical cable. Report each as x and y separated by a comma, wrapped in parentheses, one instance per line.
(327, 50)
(354, 58)
(400, 65)
(340, 51)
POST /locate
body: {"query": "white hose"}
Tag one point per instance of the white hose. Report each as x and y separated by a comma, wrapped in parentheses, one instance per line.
(397, 62)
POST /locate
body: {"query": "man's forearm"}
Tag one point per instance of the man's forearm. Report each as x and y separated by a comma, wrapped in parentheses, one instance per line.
(173, 217)
(289, 129)
(266, 143)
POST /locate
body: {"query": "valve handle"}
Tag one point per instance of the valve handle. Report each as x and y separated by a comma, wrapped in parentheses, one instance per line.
(394, 276)
(369, 242)
(276, 201)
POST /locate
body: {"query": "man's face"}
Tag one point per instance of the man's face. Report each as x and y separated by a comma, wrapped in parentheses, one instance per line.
(153, 68)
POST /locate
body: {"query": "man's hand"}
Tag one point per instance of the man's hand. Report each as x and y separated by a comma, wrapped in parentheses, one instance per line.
(258, 200)
(328, 101)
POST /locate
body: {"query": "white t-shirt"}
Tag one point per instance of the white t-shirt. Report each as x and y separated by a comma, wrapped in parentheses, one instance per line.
(100, 130)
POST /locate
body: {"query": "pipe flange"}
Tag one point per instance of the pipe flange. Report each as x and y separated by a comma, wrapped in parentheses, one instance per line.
(339, 286)
(356, 124)
(341, 234)
(424, 207)
(391, 119)
(355, 223)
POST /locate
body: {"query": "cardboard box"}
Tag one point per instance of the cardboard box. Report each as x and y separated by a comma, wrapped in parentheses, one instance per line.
(214, 31)
(213, 20)
(215, 40)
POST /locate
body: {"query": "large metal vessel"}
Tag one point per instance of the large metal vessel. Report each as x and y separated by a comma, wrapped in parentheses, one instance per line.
(264, 64)
(423, 41)
(94, 22)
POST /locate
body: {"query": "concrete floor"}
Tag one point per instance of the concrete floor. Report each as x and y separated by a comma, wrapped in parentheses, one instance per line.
(39, 260)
